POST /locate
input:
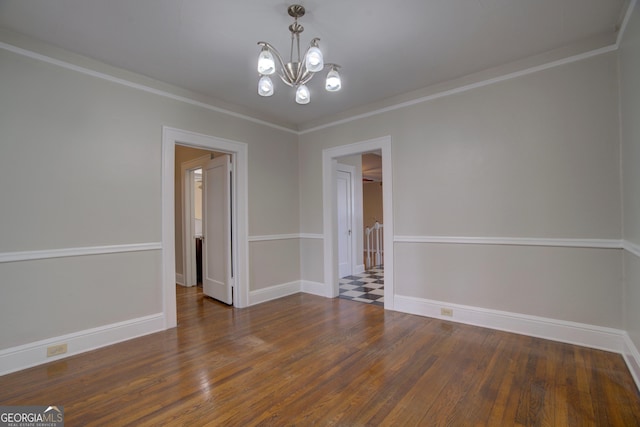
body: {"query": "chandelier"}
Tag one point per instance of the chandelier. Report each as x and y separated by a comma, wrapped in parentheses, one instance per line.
(295, 73)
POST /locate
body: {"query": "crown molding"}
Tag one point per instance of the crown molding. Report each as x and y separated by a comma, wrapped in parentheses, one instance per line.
(467, 87)
(137, 86)
(625, 22)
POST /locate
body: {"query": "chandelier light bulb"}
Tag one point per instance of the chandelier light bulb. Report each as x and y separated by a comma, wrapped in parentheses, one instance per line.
(266, 63)
(302, 95)
(333, 83)
(265, 86)
(314, 61)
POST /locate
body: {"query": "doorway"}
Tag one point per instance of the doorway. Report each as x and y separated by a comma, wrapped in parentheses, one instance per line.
(205, 256)
(188, 195)
(239, 233)
(330, 216)
(360, 225)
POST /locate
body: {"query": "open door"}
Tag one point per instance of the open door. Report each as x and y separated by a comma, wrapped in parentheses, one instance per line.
(217, 280)
(345, 221)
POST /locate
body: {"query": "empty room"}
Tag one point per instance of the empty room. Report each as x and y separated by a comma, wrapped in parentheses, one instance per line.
(354, 213)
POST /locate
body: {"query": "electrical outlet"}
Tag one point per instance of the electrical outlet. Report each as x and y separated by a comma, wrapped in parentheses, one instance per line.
(446, 311)
(56, 350)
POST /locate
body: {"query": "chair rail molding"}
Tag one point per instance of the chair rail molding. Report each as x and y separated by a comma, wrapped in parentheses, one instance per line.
(631, 247)
(514, 241)
(80, 251)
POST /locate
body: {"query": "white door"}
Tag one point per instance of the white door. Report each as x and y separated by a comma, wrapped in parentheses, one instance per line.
(345, 214)
(217, 281)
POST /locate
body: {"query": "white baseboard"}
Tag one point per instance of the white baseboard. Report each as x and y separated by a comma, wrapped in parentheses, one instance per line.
(359, 269)
(33, 354)
(598, 337)
(180, 279)
(315, 288)
(632, 357)
(273, 292)
(608, 339)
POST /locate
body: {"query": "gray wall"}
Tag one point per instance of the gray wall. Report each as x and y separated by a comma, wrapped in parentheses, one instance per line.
(80, 166)
(535, 156)
(630, 130)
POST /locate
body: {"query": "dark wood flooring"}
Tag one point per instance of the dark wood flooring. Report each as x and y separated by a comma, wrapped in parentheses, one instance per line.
(306, 360)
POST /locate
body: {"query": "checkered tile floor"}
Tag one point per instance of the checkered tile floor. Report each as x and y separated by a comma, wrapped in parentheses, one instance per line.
(365, 287)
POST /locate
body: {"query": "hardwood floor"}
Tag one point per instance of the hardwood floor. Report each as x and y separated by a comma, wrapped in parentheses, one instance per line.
(306, 360)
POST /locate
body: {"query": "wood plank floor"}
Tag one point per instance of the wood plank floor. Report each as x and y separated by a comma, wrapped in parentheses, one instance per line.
(306, 360)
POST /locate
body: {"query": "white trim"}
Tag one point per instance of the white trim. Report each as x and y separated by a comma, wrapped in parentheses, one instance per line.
(602, 338)
(137, 86)
(329, 214)
(180, 279)
(631, 247)
(278, 291)
(464, 88)
(72, 252)
(625, 21)
(171, 137)
(274, 237)
(274, 292)
(359, 268)
(632, 358)
(269, 237)
(517, 241)
(33, 354)
(311, 236)
(315, 288)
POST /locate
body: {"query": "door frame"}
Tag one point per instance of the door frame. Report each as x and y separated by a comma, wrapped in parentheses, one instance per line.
(239, 155)
(329, 212)
(188, 254)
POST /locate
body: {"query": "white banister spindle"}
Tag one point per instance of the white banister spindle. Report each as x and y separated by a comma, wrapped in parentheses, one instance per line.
(367, 233)
(374, 245)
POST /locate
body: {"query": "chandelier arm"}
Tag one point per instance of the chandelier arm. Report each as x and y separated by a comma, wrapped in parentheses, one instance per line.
(304, 77)
(313, 43)
(285, 80)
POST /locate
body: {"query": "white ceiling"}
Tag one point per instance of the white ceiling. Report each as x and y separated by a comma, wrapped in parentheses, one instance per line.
(386, 48)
